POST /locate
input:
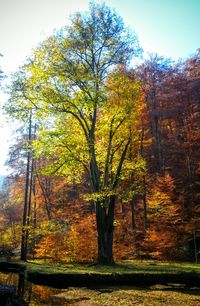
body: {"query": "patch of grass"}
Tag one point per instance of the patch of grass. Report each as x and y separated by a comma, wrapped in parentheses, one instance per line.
(147, 267)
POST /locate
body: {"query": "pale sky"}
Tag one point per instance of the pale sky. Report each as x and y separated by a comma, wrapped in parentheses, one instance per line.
(167, 27)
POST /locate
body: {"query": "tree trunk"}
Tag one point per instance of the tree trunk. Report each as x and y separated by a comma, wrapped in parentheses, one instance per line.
(133, 217)
(145, 204)
(195, 247)
(29, 205)
(105, 229)
(24, 222)
(45, 188)
(34, 202)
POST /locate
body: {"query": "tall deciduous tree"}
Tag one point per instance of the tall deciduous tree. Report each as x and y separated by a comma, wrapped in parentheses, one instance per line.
(92, 109)
(109, 163)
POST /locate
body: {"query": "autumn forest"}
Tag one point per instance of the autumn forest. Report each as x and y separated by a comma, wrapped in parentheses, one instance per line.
(105, 163)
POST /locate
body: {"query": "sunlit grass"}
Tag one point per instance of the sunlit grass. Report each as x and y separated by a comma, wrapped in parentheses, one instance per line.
(131, 266)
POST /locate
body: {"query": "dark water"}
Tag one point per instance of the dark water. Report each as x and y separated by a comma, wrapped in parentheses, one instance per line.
(34, 295)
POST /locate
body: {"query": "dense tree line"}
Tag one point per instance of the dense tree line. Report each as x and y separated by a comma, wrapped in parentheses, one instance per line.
(106, 152)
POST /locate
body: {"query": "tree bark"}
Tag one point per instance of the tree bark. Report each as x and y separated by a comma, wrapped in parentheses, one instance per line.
(45, 188)
(133, 216)
(26, 195)
(145, 204)
(105, 230)
(29, 205)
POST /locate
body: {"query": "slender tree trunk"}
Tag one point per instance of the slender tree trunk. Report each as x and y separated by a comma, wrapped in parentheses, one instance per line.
(133, 217)
(24, 222)
(145, 222)
(23, 240)
(158, 152)
(45, 192)
(195, 247)
(34, 206)
(34, 202)
(105, 229)
(29, 204)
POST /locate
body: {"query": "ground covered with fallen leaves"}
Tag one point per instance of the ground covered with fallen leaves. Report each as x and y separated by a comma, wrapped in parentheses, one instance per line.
(155, 295)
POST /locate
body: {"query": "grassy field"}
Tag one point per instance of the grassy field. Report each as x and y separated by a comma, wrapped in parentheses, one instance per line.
(132, 266)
